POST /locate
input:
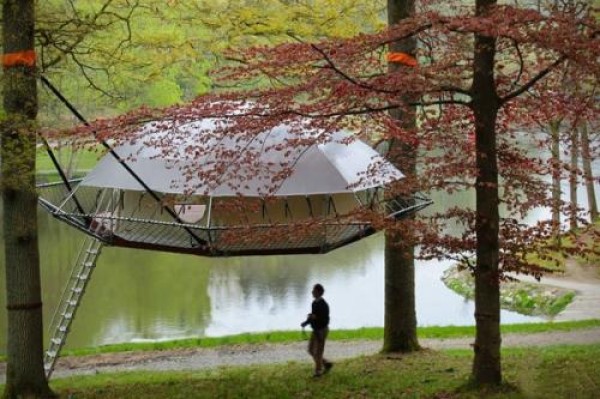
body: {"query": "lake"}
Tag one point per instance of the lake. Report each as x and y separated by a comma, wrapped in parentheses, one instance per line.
(138, 295)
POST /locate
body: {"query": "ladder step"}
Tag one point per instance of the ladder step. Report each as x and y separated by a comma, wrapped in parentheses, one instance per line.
(70, 301)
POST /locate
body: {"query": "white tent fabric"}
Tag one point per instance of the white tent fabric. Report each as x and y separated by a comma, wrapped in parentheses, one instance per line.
(200, 158)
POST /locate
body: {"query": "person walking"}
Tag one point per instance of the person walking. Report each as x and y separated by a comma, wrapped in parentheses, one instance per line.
(318, 319)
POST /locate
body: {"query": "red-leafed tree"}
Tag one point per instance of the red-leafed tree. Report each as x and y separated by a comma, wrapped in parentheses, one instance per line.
(478, 67)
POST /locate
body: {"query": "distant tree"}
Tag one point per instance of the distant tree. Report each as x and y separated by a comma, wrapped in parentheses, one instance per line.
(589, 178)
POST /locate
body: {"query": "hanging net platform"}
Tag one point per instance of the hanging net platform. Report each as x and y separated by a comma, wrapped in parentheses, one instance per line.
(190, 189)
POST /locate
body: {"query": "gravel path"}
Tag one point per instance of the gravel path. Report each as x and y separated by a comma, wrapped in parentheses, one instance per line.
(585, 281)
(244, 355)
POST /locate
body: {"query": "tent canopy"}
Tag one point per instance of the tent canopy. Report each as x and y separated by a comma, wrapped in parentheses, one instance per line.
(202, 158)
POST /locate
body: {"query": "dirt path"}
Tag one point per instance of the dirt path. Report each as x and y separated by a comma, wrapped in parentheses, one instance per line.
(244, 355)
(582, 279)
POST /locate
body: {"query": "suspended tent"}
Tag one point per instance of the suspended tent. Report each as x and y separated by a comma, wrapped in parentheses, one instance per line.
(188, 189)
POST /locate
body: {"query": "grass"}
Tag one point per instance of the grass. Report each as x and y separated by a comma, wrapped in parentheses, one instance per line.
(367, 333)
(371, 333)
(551, 372)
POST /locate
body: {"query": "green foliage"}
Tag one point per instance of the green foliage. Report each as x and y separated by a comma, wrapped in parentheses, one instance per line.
(564, 371)
(87, 159)
(108, 57)
(163, 92)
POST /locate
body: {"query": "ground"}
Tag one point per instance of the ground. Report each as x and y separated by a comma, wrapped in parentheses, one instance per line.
(241, 355)
(585, 280)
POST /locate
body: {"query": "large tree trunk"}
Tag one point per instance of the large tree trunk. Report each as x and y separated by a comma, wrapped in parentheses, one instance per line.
(588, 175)
(573, 180)
(556, 173)
(25, 375)
(486, 364)
(400, 324)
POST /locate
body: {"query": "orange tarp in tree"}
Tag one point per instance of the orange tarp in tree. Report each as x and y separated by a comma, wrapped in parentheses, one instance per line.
(402, 58)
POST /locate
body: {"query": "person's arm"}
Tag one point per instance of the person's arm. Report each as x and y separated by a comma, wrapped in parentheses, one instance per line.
(311, 317)
(307, 321)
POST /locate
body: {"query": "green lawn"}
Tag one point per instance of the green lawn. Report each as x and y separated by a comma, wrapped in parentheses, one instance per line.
(553, 372)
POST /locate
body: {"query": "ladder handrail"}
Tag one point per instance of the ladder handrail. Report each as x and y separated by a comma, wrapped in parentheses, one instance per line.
(70, 301)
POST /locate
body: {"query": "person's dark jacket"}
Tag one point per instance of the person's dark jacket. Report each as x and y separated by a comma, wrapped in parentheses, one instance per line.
(320, 311)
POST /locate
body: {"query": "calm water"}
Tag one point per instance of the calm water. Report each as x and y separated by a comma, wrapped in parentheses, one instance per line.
(138, 295)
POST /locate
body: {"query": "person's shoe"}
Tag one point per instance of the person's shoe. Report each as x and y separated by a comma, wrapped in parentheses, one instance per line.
(317, 374)
(327, 366)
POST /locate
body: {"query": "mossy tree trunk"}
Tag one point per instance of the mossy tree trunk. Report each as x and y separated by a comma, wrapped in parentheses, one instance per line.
(25, 377)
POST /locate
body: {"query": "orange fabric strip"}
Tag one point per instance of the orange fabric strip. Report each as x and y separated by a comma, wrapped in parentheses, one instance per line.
(402, 58)
(26, 58)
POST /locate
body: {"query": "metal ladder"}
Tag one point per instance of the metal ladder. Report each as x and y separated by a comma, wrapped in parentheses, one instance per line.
(71, 298)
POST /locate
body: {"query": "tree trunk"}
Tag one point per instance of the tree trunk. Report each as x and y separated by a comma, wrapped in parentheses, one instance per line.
(400, 323)
(486, 364)
(25, 375)
(588, 174)
(556, 173)
(573, 180)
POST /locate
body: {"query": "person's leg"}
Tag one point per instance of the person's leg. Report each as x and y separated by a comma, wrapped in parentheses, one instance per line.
(327, 365)
(313, 344)
(320, 335)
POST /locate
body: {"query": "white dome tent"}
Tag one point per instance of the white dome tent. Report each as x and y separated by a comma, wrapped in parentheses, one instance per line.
(275, 192)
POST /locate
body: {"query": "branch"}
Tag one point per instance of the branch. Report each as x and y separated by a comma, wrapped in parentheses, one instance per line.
(534, 80)
(521, 63)
(348, 77)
